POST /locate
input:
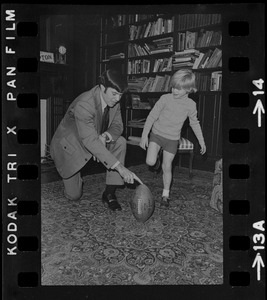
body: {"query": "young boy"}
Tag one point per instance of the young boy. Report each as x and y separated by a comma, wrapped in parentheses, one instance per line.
(166, 120)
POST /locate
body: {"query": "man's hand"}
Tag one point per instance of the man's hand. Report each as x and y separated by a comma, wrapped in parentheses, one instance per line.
(103, 140)
(127, 175)
(144, 142)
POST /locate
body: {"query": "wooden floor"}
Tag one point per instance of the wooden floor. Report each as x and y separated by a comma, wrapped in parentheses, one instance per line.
(134, 156)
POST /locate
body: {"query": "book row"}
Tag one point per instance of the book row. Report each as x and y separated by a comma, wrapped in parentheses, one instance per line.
(188, 58)
(160, 26)
(146, 66)
(189, 40)
(123, 19)
(156, 46)
(209, 82)
(184, 21)
(149, 84)
(195, 59)
(187, 21)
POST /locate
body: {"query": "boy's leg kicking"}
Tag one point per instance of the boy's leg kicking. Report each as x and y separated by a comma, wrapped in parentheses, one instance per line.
(167, 176)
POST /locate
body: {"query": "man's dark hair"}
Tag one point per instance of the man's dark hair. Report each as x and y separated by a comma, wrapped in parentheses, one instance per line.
(112, 78)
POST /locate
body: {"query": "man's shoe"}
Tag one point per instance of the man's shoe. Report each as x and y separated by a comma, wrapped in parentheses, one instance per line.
(111, 202)
(165, 201)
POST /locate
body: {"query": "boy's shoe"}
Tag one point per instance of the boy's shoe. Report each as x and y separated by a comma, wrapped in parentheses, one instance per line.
(165, 201)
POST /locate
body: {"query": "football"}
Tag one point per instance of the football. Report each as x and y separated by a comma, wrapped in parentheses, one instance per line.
(142, 203)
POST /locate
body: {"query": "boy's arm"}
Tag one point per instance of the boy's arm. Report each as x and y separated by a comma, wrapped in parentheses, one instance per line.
(194, 123)
(153, 116)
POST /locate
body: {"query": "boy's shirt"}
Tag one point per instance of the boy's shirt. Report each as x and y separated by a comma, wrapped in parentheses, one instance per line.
(168, 116)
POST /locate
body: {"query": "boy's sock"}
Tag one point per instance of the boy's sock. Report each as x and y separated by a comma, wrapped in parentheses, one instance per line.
(110, 189)
(165, 193)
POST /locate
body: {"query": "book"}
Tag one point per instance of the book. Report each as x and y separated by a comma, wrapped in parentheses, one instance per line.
(153, 86)
(190, 39)
(180, 59)
(198, 60)
(205, 59)
(215, 83)
(147, 84)
(214, 59)
(164, 65)
(147, 30)
(159, 84)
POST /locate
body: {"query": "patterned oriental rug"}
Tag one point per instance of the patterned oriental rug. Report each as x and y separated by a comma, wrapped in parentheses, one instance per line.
(84, 243)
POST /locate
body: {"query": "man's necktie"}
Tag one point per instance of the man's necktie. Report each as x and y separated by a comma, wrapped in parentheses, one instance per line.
(105, 119)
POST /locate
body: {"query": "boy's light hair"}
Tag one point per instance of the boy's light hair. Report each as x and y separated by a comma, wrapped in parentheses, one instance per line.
(184, 79)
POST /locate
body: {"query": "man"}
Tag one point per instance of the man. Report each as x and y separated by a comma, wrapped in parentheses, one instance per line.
(81, 135)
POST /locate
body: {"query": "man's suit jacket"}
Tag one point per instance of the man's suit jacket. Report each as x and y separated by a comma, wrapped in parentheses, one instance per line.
(77, 136)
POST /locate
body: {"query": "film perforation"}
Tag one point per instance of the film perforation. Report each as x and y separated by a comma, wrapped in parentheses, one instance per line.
(239, 100)
(27, 65)
(27, 29)
(27, 136)
(28, 279)
(239, 243)
(239, 171)
(27, 100)
(239, 278)
(238, 28)
(239, 207)
(28, 243)
(27, 172)
(239, 135)
(238, 64)
(27, 208)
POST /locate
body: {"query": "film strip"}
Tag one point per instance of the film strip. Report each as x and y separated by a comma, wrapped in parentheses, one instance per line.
(243, 160)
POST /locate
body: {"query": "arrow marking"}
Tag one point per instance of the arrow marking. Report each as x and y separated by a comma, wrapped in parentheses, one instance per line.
(259, 107)
(259, 263)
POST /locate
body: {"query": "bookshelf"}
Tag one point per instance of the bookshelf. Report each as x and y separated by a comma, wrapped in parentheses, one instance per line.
(154, 48)
(113, 43)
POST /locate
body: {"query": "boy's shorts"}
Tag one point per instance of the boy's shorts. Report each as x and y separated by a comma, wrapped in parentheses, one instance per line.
(166, 144)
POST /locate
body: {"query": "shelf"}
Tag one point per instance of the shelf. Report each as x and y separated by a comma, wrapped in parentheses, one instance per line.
(152, 19)
(112, 44)
(136, 126)
(153, 55)
(200, 27)
(54, 68)
(107, 29)
(209, 92)
(134, 143)
(149, 93)
(151, 74)
(137, 108)
(207, 69)
(150, 38)
(121, 60)
(201, 49)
